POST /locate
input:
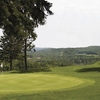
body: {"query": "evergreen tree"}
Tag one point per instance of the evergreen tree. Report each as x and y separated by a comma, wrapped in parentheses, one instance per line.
(19, 18)
(10, 49)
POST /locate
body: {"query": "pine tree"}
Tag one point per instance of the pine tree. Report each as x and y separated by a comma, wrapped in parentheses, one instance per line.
(10, 49)
(19, 18)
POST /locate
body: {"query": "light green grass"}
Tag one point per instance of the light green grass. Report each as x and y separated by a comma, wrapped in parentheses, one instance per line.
(62, 83)
(16, 83)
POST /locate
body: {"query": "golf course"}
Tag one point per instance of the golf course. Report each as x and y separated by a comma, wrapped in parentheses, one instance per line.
(60, 83)
(63, 63)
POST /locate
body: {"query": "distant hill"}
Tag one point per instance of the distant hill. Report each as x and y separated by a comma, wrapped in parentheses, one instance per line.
(66, 56)
(82, 50)
(89, 50)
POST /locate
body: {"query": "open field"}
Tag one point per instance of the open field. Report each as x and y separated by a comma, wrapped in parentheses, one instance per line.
(61, 83)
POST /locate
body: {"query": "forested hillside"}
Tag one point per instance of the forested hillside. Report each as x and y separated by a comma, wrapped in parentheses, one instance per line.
(66, 56)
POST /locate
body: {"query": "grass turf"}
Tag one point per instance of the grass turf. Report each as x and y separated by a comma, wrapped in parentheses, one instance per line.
(53, 85)
(38, 82)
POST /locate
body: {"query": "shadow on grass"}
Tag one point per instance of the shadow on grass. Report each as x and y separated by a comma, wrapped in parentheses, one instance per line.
(30, 71)
(95, 69)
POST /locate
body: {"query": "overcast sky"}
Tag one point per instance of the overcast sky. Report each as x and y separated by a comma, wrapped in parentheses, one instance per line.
(75, 23)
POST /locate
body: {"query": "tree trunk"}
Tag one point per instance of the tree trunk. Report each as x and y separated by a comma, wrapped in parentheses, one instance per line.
(25, 54)
(10, 61)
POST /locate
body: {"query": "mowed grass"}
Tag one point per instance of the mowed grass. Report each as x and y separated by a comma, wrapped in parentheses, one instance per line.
(62, 83)
(20, 83)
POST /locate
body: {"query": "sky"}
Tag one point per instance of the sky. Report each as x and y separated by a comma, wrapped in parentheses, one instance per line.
(75, 23)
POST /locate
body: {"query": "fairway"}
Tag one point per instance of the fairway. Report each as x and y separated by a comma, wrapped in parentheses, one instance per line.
(38, 82)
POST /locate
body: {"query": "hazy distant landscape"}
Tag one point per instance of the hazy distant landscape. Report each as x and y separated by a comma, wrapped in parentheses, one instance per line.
(66, 56)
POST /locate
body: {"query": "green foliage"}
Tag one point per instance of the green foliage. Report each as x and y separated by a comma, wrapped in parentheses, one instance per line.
(9, 47)
(19, 65)
(5, 66)
(40, 65)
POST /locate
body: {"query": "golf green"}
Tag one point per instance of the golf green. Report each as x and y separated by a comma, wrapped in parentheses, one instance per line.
(39, 82)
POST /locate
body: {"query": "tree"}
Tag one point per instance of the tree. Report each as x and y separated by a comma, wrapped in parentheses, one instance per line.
(35, 14)
(19, 18)
(10, 49)
(28, 46)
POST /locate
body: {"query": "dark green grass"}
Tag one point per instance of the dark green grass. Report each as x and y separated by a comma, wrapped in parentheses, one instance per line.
(90, 92)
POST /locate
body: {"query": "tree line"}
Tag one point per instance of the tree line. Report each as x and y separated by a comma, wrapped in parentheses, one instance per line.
(66, 56)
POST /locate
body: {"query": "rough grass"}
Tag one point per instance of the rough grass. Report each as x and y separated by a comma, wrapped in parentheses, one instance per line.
(54, 85)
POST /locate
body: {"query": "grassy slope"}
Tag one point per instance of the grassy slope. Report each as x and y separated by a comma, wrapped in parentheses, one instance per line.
(91, 92)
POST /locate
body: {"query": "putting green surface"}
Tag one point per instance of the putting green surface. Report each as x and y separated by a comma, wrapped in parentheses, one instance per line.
(39, 82)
